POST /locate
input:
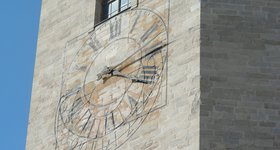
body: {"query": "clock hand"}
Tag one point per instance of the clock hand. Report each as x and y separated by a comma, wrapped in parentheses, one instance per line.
(108, 71)
(133, 78)
(153, 51)
(150, 52)
(111, 72)
(137, 51)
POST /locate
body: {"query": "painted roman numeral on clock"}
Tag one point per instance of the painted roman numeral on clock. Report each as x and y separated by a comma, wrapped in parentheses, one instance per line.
(63, 110)
(134, 107)
(86, 123)
(149, 73)
(94, 43)
(83, 122)
(132, 102)
(135, 23)
(109, 122)
(113, 119)
(115, 28)
(149, 70)
(93, 129)
(76, 108)
(149, 32)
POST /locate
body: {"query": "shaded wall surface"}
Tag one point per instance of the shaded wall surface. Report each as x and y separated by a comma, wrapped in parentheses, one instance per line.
(240, 70)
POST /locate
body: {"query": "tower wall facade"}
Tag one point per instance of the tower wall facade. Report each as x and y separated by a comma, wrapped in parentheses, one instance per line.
(240, 60)
(217, 86)
(174, 125)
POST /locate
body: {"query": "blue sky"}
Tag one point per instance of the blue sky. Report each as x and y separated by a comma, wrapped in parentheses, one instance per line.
(18, 36)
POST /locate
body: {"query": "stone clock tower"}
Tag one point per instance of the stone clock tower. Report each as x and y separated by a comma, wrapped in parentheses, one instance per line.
(156, 75)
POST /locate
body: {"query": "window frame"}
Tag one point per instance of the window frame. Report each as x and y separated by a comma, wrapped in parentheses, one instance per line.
(119, 10)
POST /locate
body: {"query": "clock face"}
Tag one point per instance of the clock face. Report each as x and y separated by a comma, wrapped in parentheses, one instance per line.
(115, 79)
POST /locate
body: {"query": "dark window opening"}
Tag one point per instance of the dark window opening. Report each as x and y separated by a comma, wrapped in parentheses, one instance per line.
(113, 7)
(108, 8)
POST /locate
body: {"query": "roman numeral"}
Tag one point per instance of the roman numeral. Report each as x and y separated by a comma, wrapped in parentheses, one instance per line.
(85, 125)
(132, 102)
(106, 125)
(134, 24)
(76, 108)
(91, 127)
(113, 119)
(149, 70)
(83, 121)
(121, 114)
(94, 131)
(149, 74)
(94, 43)
(63, 112)
(115, 29)
(97, 132)
(129, 130)
(134, 107)
(150, 31)
(109, 122)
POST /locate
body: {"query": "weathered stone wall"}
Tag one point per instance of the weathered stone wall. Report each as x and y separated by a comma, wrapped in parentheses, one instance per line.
(240, 69)
(175, 126)
(59, 20)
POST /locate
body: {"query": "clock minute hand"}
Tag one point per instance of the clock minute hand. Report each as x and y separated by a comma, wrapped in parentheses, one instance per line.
(150, 52)
(108, 71)
(139, 49)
